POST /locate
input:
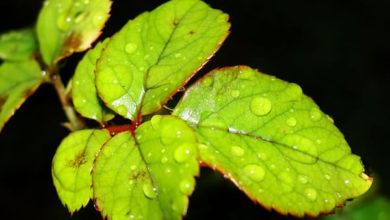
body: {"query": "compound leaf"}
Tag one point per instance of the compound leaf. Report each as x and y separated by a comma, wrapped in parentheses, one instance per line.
(272, 141)
(152, 56)
(68, 26)
(72, 165)
(85, 98)
(17, 45)
(149, 177)
(18, 80)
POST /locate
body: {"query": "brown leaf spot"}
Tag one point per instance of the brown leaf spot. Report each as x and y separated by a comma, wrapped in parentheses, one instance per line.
(138, 175)
(175, 22)
(191, 32)
(78, 161)
(2, 101)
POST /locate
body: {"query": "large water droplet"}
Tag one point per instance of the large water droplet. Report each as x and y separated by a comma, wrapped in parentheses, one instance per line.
(255, 172)
(168, 135)
(64, 22)
(237, 151)
(294, 91)
(260, 106)
(149, 191)
(311, 194)
(130, 48)
(182, 153)
(291, 122)
(155, 121)
(315, 114)
(164, 159)
(186, 186)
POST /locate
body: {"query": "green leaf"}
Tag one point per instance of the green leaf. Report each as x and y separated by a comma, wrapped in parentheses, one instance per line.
(155, 54)
(272, 141)
(150, 177)
(85, 98)
(72, 165)
(17, 45)
(18, 80)
(68, 26)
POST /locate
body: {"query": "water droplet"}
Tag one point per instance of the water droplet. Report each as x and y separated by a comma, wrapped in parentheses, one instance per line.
(168, 135)
(177, 55)
(237, 151)
(327, 177)
(235, 93)
(149, 191)
(294, 91)
(311, 194)
(130, 48)
(303, 179)
(182, 153)
(260, 106)
(339, 195)
(186, 186)
(64, 22)
(133, 167)
(255, 172)
(291, 122)
(155, 121)
(164, 159)
(248, 75)
(347, 182)
(98, 20)
(315, 114)
(168, 170)
(203, 147)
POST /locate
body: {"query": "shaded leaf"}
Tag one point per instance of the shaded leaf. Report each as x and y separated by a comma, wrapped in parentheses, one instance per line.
(72, 165)
(18, 80)
(85, 98)
(272, 141)
(68, 26)
(152, 56)
(17, 45)
(150, 177)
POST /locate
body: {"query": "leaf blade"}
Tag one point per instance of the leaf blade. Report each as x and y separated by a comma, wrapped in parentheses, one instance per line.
(65, 27)
(18, 80)
(84, 95)
(17, 45)
(72, 164)
(145, 182)
(275, 143)
(173, 41)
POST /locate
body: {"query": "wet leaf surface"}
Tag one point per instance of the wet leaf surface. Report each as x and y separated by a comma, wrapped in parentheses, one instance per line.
(272, 141)
(152, 56)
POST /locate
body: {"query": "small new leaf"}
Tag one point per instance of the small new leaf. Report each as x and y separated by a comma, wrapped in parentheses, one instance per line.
(155, 54)
(17, 45)
(72, 165)
(85, 98)
(18, 80)
(65, 27)
(148, 176)
(272, 141)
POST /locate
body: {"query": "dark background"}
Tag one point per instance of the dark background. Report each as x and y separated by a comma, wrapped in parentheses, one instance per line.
(338, 51)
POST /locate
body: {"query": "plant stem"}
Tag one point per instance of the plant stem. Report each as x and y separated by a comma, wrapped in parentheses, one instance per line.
(75, 123)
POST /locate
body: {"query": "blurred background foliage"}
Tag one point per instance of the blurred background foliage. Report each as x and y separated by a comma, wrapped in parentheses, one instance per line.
(338, 51)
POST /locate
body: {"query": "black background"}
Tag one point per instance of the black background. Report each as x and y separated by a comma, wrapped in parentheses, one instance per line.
(338, 51)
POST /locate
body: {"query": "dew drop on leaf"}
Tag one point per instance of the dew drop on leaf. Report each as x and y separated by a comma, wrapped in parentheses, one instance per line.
(164, 159)
(303, 179)
(327, 176)
(155, 121)
(315, 114)
(149, 191)
(186, 186)
(130, 48)
(237, 151)
(98, 20)
(311, 194)
(291, 122)
(260, 106)
(255, 172)
(63, 22)
(235, 93)
(182, 153)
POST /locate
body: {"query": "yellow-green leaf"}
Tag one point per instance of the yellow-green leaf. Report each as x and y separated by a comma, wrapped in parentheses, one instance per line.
(85, 98)
(152, 56)
(72, 165)
(17, 45)
(149, 176)
(68, 26)
(18, 80)
(272, 141)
